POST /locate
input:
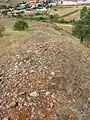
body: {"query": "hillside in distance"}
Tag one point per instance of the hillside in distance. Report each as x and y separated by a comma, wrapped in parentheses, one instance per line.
(10, 2)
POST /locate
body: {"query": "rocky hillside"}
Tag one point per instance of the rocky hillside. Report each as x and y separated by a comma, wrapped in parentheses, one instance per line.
(46, 77)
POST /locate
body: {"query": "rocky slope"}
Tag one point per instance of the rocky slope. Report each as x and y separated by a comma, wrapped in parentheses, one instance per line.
(47, 77)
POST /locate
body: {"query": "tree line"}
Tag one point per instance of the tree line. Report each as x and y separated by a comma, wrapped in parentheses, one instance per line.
(82, 27)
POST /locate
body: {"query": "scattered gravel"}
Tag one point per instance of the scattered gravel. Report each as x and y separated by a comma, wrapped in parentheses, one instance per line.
(45, 81)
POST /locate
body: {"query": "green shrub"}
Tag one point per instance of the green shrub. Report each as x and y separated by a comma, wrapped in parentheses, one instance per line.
(72, 21)
(54, 18)
(64, 21)
(82, 27)
(83, 12)
(31, 17)
(39, 18)
(81, 31)
(38, 13)
(21, 25)
(55, 9)
(51, 17)
(2, 29)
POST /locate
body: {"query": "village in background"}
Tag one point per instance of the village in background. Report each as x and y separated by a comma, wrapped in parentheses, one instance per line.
(35, 6)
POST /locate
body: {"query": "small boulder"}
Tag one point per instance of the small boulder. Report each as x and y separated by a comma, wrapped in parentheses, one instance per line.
(51, 105)
(6, 118)
(43, 115)
(47, 93)
(52, 73)
(13, 104)
(34, 94)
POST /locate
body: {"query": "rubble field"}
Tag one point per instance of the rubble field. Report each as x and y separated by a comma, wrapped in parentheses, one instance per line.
(46, 77)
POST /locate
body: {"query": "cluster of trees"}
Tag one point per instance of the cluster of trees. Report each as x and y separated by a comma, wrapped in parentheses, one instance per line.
(82, 27)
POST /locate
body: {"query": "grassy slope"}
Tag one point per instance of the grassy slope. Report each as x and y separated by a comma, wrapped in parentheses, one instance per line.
(13, 36)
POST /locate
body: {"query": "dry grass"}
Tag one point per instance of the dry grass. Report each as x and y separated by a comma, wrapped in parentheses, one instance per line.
(65, 27)
(75, 16)
(10, 35)
(65, 10)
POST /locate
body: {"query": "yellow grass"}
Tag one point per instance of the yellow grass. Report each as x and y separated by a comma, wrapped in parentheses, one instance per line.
(10, 35)
(74, 16)
(65, 10)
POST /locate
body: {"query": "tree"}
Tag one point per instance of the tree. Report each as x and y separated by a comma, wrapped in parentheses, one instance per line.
(82, 27)
(2, 29)
(87, 18)
(83, 12)
(81, 31)
(54, 18)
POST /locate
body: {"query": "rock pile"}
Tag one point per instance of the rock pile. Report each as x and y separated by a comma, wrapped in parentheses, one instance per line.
(44, 81)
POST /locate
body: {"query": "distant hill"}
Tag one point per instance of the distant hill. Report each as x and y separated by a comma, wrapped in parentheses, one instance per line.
(10, 2)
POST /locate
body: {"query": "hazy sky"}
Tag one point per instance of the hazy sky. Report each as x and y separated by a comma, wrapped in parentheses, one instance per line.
(88, 0)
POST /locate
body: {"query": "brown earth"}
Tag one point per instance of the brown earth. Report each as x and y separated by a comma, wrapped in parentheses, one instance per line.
(46, 77)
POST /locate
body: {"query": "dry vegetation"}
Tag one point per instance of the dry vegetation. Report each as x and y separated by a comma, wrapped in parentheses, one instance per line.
(13, 2)
(75, 16)
(65, 10)
(44, 74)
